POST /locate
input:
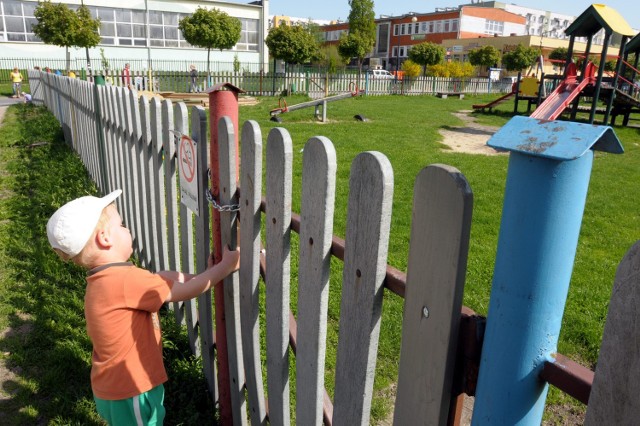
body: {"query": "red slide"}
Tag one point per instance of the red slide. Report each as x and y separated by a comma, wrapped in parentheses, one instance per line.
(564, 94)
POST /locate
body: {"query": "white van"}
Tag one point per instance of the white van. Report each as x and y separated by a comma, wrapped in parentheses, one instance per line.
(380, 74)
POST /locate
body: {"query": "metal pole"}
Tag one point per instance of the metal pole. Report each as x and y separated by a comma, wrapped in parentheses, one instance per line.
(546, 190)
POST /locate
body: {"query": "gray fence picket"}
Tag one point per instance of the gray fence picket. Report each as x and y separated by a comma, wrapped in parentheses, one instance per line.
(365, 258)
(316, 230)
(278, 233)
(150, 183)
(614, 394)
(440, 228)
(186, 238)
(158, 200)
(250, 199)
(202, 240)
(231, 285)
(130, 168)
(138, 141)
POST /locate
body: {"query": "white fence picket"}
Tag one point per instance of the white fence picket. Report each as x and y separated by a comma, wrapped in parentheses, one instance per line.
(251, 195)
(365, 259)
(440, 228)
(278, 230)
(149, 183)
(614, 394)
(316, 230)
(158, 194)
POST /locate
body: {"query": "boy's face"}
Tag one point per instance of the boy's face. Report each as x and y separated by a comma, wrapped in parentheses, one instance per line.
(121, 236)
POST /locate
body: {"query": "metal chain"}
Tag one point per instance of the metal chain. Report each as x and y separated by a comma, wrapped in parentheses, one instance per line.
(227, 208)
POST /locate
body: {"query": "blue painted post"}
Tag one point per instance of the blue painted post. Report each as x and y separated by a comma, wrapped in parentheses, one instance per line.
(545, 194)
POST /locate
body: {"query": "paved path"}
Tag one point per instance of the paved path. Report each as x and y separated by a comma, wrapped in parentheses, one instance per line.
(4, 104)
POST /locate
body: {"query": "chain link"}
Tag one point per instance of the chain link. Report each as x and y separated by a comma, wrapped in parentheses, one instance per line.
(227, 208)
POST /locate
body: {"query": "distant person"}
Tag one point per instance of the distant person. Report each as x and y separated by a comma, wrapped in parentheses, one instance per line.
(193, 75)
(58, 72)
(72, 74)
(27, 97)
(121, 305)
(16, 80)
(126, 76)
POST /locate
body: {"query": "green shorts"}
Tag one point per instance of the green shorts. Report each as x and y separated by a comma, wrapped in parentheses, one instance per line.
(144, 409)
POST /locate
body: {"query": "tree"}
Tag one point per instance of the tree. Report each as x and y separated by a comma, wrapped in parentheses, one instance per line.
(427, 54)
(210, 29)
(87, 35)
(486, 56)
(61, 26)
(292, 44)
(519, 58)
(362, 32)
(330, 58)
(411, 69)
(559, 54)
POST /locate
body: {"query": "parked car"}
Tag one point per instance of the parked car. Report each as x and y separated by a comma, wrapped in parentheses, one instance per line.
(380, 74)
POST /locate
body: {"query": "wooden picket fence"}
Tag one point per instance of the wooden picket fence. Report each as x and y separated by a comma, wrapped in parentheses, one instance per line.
(129, 142)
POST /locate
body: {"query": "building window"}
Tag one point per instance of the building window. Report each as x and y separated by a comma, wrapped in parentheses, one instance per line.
(395, 30)
(431, 27)
(416, 28)
(403, 29)
(493, 27)
(17, 21)
(424, 27)
(446, 26)
(248, 36)
(454, 25)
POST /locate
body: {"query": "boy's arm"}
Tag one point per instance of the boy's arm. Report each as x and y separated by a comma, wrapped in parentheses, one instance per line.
(200, 283)
(176, 276)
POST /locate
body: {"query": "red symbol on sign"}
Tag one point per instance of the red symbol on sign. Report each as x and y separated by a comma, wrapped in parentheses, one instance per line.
(187, 156)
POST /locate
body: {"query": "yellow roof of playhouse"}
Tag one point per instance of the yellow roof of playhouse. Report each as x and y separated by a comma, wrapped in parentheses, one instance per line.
(596, 17)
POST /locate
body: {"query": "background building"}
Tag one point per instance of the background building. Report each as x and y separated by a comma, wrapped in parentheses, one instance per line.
(143, 30)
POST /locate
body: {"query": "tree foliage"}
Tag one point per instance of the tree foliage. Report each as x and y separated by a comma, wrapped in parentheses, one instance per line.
(411, 69)
(330, 58)
(362, 32)
(210, 29)
(559, 54)
(61, 26)
(427, 54)
(519, 58)
(453, 69)
(486, 56)
(293, 44)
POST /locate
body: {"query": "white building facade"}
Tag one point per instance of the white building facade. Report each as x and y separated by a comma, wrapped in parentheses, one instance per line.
(140, 30)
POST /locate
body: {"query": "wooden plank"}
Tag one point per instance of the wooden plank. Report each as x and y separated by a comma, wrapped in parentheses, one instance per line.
(159, 200)
(614, 394)
(316, 228)
(366, 244)
(250, 199)
(202, 240)
(149, 183)
(278, 218)
(441, 224)
(181, 117)
(231, 285)
(142, 211)
(129, 171)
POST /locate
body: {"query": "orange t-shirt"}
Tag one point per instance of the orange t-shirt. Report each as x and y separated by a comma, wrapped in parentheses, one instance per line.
(121, 308)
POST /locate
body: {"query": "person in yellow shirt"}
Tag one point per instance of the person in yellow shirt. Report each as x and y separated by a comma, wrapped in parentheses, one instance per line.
(16, 79)
(72, 74)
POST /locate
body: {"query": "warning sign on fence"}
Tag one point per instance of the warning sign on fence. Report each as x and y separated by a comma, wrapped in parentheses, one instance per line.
(188, 166)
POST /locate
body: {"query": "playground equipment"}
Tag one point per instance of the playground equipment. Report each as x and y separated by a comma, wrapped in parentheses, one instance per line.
(565, 93)
(283, 107)
(498, 101)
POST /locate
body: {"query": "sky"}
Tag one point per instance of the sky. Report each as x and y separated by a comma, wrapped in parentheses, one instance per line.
(339, 9)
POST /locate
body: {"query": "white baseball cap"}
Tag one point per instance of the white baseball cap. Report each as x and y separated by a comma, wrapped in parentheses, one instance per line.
(71, 226)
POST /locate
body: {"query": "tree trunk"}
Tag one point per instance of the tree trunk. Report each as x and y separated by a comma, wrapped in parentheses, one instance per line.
(208, 69)
(89, 73)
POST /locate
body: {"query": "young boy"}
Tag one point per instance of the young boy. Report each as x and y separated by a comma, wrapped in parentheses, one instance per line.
(121, 307)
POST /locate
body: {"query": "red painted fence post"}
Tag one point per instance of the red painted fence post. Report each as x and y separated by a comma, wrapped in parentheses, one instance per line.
(223, 101)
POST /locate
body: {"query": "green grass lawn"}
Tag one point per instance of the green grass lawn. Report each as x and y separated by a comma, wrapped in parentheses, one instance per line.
(38, 290)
